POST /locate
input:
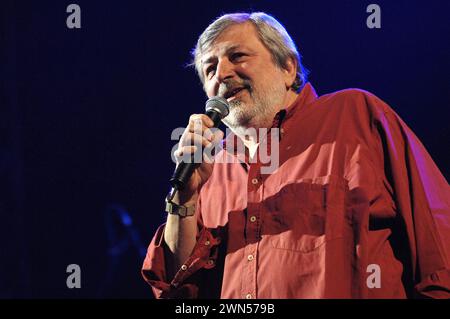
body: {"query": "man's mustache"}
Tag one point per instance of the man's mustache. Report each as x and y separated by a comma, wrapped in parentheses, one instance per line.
(230, 85)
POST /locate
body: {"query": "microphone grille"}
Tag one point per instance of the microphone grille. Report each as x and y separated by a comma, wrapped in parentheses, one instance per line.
(219, 104)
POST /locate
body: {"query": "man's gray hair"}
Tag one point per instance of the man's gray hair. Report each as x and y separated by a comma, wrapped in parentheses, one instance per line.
(271, 33)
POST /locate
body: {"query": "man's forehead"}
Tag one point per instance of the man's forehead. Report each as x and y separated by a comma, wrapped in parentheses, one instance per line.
(220, 48)
(238, 36)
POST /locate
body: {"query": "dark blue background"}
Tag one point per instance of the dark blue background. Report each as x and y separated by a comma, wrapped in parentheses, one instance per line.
(86, 116)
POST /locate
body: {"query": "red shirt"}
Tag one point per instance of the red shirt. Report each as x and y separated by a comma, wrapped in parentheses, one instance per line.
(356, 209)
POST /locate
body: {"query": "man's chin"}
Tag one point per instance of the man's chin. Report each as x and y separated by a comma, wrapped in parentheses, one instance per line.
(238, 121)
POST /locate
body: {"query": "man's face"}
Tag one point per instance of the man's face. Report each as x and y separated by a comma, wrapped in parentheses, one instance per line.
(241, 69)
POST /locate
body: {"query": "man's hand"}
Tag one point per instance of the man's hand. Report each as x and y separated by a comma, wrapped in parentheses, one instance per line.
(196, 137)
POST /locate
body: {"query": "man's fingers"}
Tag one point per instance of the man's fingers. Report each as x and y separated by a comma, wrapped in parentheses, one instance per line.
(199, 121)
(189, 139)
(217, 136)
(200, 135)
(184, 151)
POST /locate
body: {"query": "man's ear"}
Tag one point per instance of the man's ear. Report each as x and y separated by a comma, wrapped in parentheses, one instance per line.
(290, 72)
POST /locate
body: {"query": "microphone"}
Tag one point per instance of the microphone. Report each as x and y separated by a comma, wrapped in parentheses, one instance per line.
(216, 109)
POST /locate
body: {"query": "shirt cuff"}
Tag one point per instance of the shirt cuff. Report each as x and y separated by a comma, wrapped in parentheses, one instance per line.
(204, 255)
(436, 285)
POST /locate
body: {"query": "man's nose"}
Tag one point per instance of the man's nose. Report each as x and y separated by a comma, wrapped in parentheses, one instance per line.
(225, 70)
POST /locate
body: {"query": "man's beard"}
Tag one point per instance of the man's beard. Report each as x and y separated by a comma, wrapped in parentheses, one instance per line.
(258, 114)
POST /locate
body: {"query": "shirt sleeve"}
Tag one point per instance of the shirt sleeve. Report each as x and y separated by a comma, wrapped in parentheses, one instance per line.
(188, 279)
(422, 197)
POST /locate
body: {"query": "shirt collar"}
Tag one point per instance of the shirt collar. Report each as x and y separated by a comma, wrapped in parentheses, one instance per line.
(307, 95)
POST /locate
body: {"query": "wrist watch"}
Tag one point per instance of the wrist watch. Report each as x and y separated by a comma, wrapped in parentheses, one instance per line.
(179, 210)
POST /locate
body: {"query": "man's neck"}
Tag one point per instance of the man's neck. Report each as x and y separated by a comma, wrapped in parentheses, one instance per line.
(251, 141)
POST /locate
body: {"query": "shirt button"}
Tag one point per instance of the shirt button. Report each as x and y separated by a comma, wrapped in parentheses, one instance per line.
(250, 257)
(184, 267)
(253, 219)
(248, 296)
(207, 243)
(210, 262)
(434, 277)
(254, 181)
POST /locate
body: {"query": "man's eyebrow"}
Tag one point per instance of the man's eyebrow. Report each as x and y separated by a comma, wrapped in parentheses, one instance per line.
(227, 50)
(209, 60)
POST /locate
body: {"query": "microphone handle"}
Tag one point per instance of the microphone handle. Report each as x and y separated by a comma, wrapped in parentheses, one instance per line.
(214, 116)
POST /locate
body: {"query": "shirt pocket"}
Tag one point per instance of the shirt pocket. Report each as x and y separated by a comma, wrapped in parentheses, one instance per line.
(305, 214)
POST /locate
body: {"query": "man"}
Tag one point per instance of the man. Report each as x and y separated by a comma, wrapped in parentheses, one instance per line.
(355, 209)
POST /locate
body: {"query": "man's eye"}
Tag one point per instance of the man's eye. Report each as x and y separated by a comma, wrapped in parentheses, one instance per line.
(237, 55)
(210, 69)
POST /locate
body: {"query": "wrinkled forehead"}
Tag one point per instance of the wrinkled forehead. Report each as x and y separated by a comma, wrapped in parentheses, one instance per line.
(220, 49)
(234, 37)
